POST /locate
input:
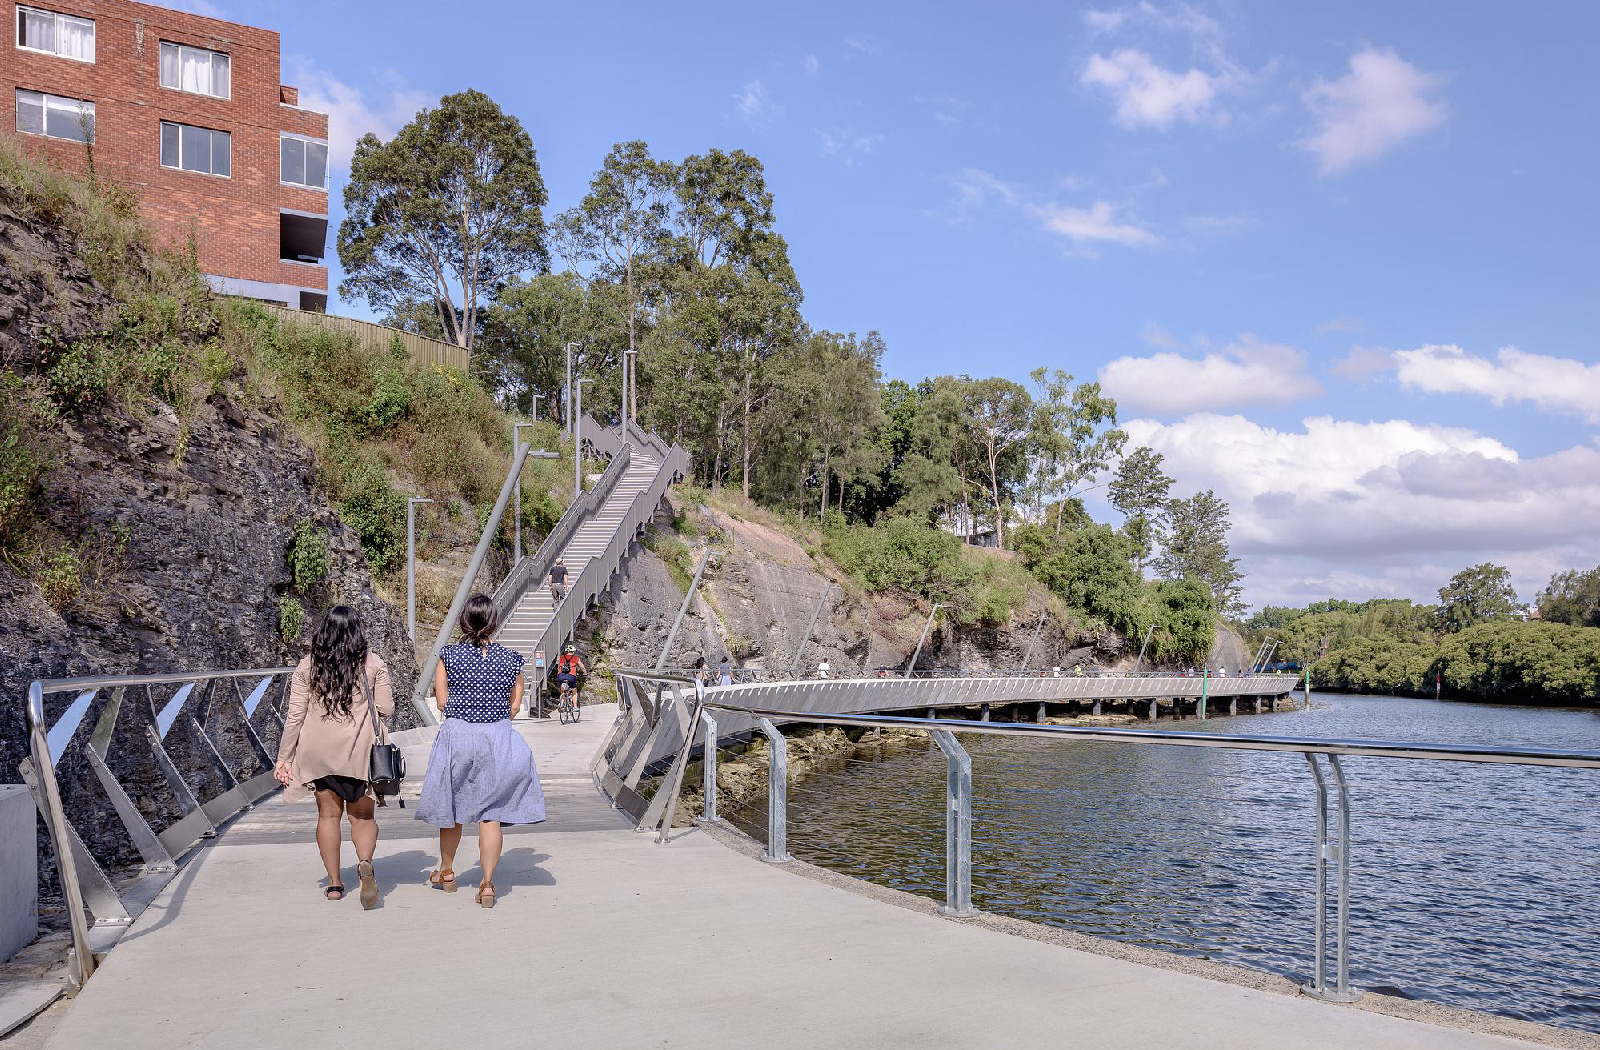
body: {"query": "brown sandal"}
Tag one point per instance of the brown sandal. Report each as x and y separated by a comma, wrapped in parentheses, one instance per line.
(443, 879)
(369, 885)
(486, 895)
(329, 891)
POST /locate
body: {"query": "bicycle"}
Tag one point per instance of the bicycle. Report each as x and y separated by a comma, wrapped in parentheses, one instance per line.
(567, 707)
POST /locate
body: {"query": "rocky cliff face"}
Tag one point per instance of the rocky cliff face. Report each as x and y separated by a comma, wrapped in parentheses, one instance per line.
(177, 530)
(759, 595)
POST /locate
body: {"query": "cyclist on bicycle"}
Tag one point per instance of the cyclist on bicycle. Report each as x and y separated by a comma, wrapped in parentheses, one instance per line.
(558, 580)
(569, 667)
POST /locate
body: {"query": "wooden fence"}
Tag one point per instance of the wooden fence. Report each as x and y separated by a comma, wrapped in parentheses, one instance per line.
(423, 351)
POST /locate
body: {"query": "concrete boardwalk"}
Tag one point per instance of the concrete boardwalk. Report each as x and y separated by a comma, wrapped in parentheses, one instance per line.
(605, 940)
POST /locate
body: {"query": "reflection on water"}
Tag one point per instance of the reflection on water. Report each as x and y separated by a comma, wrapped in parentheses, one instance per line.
(1469, 884)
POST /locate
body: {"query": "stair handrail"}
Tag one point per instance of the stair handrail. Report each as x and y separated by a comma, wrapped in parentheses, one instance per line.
(595, 578)
(533, 567)
(603, 439)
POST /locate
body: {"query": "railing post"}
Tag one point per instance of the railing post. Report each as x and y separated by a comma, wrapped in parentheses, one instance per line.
(957, 826)
(777, 795)
(83, 961)
(1318, 987)
(708, 759)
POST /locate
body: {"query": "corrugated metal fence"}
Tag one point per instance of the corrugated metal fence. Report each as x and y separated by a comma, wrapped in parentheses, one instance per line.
(423, 351)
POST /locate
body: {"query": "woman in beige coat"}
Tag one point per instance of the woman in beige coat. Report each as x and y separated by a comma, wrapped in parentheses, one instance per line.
(327, 742)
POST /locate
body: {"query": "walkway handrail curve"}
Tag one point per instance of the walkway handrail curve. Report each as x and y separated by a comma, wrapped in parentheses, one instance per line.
(85, 886)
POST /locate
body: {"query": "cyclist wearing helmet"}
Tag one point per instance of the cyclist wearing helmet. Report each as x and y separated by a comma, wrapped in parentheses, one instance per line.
(569, 667)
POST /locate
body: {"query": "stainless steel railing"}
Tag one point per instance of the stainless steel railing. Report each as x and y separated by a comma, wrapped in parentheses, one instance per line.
(195, 700)
(676, 707)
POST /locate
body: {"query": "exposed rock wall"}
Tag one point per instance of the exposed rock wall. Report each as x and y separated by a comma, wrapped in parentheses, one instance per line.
(182, 529)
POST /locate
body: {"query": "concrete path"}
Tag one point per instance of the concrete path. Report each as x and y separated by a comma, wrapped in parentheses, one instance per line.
(605, 940)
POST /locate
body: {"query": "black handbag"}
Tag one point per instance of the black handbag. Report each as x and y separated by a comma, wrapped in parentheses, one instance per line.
(388, 764)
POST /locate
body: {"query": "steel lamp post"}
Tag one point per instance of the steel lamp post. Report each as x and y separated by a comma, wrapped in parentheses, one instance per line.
(411, 565)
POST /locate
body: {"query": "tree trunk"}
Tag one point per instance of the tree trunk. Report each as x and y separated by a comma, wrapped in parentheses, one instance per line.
(994, 494)
(822, 512)
(745, 436)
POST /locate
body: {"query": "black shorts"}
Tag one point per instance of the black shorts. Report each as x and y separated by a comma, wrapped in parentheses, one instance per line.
(570, 679)
(350, 789)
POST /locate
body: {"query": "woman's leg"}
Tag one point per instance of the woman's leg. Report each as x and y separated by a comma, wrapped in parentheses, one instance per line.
(489, 842)
(449, 839)
(363, 827)
(330, 809)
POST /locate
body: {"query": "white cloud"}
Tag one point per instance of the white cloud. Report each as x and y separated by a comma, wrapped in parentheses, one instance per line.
(755, 105)
(863, 44)
(1362, 363)
(1558, 384)
(1146, 95)
(1248, 372)
(1097, 224)
(352, 111)
(847, 145)
(1156, 335)
(812, 65)
(1347, 509)
(1380, 103)
(1340, 324)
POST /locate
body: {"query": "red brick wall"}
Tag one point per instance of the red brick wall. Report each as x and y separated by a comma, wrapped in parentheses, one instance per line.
(234, 220)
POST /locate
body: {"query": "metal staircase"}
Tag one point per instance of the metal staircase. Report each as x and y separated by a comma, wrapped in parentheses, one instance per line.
(592, 538)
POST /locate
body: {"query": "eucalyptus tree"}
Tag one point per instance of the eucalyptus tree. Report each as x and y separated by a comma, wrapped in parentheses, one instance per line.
(443, 213)
(1002, 416)
(1476, 594)
(620, 228)
(1139, 491)
(1195, 546)
(1075, 440)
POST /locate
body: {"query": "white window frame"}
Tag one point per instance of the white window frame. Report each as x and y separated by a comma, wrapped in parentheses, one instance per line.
(59, 16)
(160, 65)
(46, 98)
(323, 185)
(179, 166)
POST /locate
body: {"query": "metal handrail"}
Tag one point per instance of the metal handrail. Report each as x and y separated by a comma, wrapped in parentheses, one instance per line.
(85, 886)
(656, 707)
(1362, 748)
(533, 567)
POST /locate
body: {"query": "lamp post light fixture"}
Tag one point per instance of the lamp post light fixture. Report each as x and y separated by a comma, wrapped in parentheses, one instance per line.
(570, 348)
(516, 447)
(411, 565)
(577, 438)
(627, 387)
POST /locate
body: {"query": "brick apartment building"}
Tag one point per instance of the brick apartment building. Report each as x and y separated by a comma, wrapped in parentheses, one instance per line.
(189, 113)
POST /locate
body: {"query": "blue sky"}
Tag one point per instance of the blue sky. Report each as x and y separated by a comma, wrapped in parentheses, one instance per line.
(1336, 260)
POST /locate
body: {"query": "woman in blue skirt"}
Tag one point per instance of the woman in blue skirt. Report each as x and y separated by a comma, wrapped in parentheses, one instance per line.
(480, 768)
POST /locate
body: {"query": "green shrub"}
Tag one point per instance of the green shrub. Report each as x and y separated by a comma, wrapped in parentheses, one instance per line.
(371, 506)
(24, 427)
(307, 556)
(291, 618)
(60, 577)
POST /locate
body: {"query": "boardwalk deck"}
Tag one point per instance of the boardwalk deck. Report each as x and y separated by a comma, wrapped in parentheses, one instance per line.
(605, 940)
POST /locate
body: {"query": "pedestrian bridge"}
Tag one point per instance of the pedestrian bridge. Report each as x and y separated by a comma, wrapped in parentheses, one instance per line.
(606, 937)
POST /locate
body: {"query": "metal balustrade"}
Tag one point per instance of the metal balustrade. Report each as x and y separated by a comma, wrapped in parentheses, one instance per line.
(194, 701)
(656, 705)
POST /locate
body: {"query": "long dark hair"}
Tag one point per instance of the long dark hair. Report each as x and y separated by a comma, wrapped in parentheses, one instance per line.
(478, 621)
(338, 655)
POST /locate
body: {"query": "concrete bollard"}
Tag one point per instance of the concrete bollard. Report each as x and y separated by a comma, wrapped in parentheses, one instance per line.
(1154, 711)
(983, 714)
(1233, 705)
(1097, 707)
(19, 870)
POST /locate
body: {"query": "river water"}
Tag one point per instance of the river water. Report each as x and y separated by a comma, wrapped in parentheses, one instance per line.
(1473, 885)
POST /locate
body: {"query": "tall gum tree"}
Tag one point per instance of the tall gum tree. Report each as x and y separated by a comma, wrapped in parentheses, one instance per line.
(443, 213)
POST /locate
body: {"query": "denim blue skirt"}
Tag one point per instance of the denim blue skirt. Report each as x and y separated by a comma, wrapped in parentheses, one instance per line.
(480, 771)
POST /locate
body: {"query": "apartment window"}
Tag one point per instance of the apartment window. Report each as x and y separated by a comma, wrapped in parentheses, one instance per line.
(54, 116)
(196, 149)
(194, 69)
(303, 161)
(55, 34)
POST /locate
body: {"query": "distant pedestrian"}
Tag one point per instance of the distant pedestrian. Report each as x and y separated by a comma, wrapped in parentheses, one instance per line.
(824, 669)
(336, 698)
(480, 770)
(1055, 672)
(725, 672)
(702, 673)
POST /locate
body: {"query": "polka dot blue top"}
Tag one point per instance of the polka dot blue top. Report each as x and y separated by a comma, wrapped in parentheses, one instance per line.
(479, 681)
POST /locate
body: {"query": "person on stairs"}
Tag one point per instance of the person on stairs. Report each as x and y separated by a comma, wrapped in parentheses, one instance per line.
(337, 697)
(480, 769)
(558, 581)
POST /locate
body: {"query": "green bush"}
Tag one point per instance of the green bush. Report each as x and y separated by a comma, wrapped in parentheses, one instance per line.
(25, 423)
(307, 557)
(377, 513)
(60, 577)
(291, 618)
